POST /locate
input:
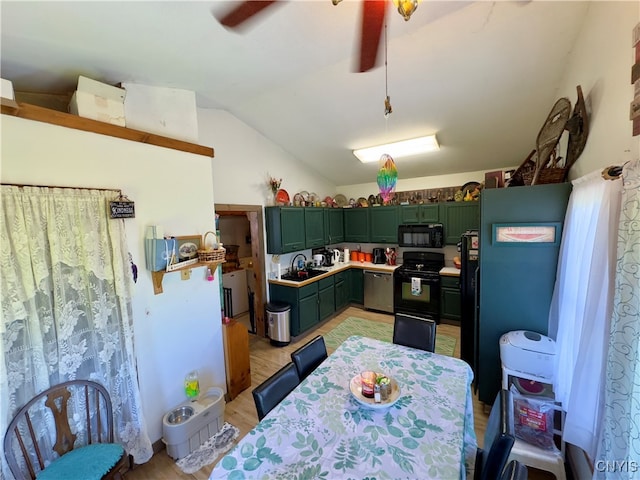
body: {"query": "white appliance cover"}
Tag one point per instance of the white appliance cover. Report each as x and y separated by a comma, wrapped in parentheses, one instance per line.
(528, 352)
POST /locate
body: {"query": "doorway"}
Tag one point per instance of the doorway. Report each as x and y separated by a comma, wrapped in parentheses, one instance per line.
(257, 280)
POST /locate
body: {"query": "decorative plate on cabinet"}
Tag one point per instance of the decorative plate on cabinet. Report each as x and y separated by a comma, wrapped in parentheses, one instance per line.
(282, 197)
(340, 200)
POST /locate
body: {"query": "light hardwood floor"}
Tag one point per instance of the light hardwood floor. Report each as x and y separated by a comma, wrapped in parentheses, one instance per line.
(266, 360)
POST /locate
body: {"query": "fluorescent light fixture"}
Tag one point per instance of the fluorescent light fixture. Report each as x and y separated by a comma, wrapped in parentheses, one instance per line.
(404, 148)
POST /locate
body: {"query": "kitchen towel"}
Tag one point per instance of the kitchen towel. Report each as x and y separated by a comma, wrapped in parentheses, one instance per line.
(416, 286)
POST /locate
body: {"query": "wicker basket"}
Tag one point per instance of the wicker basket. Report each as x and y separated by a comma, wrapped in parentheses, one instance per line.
(210, 254)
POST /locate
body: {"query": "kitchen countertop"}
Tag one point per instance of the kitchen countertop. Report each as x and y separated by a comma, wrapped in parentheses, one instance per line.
(450, 272)
(338, 267)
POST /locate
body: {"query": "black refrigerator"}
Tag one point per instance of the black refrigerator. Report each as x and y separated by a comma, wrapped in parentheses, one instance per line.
(469, 275)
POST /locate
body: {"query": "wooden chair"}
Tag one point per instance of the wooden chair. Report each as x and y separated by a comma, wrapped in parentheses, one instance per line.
(84, 442)
(414, 332)
(309, 356)
(273, 390)
(499, 438)
(515, 471)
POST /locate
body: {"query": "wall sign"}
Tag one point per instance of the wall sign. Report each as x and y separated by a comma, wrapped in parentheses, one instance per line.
(122, 207)
(529, 233)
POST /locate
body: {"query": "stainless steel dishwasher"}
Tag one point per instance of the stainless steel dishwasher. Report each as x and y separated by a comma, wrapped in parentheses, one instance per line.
(378, 291)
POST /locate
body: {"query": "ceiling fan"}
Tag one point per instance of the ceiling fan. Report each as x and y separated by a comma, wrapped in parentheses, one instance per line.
(373, 20)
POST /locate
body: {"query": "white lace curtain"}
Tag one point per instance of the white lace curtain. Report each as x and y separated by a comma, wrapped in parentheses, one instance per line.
(66, 303)
(619, 449)
(581, 305)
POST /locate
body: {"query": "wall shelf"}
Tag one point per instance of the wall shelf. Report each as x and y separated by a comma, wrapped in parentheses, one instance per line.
(158, 276)
(54, 117)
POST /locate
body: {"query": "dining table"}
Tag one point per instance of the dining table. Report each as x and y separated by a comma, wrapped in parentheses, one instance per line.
(325, 429)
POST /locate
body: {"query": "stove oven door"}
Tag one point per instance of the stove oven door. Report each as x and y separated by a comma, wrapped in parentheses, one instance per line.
(417, 293)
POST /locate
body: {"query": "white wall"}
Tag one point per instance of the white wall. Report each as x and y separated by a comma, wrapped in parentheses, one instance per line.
(601, 63)
(179, 330)
(244, 159)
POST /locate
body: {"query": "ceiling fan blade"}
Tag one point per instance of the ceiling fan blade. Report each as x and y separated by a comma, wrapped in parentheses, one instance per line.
(243, 12)
(373, 13)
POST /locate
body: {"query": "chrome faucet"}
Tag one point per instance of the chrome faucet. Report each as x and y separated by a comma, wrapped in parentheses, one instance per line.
(294, 260)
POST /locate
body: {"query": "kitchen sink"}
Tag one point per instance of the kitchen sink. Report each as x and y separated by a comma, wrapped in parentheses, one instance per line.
(302, 275)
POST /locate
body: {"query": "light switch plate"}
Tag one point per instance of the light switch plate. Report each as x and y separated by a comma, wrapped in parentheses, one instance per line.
(185, 274)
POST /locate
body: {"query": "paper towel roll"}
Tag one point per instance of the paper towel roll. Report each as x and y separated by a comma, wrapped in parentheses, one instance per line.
(346, 254)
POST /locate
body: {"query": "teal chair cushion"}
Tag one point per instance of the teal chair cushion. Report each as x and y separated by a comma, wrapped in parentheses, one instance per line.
(85, 463)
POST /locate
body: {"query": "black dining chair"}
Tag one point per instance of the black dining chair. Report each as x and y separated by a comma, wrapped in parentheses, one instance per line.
(271, 392)
(414, 332)
(309, 356)
(515, 471)
(499, 438)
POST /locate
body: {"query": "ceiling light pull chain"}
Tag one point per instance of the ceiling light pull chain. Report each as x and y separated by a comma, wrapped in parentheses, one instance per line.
(387, 101)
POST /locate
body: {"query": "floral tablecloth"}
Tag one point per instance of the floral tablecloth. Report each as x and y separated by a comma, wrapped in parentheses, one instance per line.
(321, 431)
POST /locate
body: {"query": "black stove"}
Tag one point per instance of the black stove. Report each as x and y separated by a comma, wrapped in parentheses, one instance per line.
(417, 284)
(421, 263)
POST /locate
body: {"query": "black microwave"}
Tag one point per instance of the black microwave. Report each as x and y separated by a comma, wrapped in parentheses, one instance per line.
(421, 235)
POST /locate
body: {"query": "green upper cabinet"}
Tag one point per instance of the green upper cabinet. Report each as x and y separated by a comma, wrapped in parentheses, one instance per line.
(457, 218)
(419, 213)
(356, 224)
(313, 227)
(285, 229)
(383, 224)
(333, 225)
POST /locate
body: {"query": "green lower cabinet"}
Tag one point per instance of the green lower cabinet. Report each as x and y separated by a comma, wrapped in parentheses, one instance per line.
(356, 290)
(341, 290)
(326, 298)
(308, 313)
(450, 299)
(303, 302)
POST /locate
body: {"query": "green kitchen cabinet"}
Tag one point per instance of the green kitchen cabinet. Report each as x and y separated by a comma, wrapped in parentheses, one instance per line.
(308, 311)
(341, 289)
(326, 298)
(285, 228)
(303, 302)
(383, 224)
(450, 299)
(356, 284)
(333, 225)
(356, 224)
(419, 213)
(457, 218)
(313, 227)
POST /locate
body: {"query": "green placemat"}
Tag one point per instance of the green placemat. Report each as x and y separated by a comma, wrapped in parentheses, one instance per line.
(445, 345)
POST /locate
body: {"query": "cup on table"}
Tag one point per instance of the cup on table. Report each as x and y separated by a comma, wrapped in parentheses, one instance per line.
(368, 380)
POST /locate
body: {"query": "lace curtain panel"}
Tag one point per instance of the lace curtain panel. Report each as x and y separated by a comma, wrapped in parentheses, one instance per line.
(66, 304)
(619, 449)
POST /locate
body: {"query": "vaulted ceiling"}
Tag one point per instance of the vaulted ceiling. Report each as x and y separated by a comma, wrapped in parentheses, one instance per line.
(481, 75)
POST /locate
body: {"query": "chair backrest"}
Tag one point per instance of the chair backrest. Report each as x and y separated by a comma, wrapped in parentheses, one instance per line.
(499, 438)
(414, 332)
(515, 471)
(271, 392)
(309, 356)
(83, 404)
